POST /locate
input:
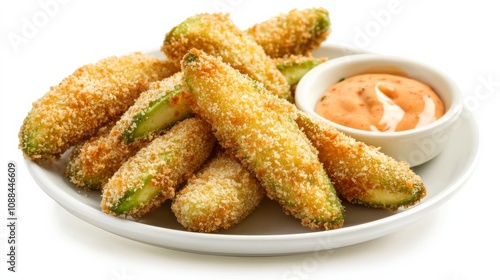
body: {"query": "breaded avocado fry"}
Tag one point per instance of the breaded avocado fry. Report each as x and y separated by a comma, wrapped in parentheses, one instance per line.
(217, 35)
(154, 173)
(158, 108)
(297, 32)
(217, 197)
(94, 95)
(253, 125)
(361, 173)
(94, 161)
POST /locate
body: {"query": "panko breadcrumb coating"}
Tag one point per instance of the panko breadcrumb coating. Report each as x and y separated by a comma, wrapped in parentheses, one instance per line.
(250, 122)
(217, 197)
(154, 173)
(361, 173)
(216, 34)
(297, 32)
(94, 95)
(93, 163)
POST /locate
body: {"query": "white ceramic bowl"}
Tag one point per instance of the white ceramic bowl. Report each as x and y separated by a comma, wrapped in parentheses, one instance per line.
(416, 146)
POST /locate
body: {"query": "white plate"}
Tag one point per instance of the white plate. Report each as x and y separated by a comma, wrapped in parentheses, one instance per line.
(268, 231)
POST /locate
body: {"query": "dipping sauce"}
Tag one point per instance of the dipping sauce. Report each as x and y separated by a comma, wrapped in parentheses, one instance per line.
(380, 102)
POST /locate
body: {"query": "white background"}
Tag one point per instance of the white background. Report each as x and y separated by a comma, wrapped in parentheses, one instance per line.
(457, 241)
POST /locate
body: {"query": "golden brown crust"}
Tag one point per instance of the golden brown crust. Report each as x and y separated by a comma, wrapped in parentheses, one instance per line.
(94, 95)
(255, 126)
(168, 161)
(294, 33)
(93, 163)
(361, 173)
(217, 197)
(216, 34)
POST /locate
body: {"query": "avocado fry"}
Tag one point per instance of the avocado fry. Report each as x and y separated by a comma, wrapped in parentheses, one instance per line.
(297, 32)
(93, 96)
(157, 170)
(217, 35)
(361, 173)
(253, 125)
(92, 163)
(218, 196)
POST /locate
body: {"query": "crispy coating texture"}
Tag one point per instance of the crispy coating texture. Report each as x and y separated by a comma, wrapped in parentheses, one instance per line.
(361, 173)
(94, 95)
(251, 123)
(217, 197)
(297, 32)
(164, 164)
(95, 161)
(217, 35)
(160, 108)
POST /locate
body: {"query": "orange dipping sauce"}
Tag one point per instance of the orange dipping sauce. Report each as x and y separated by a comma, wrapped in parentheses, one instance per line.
(380, 102)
